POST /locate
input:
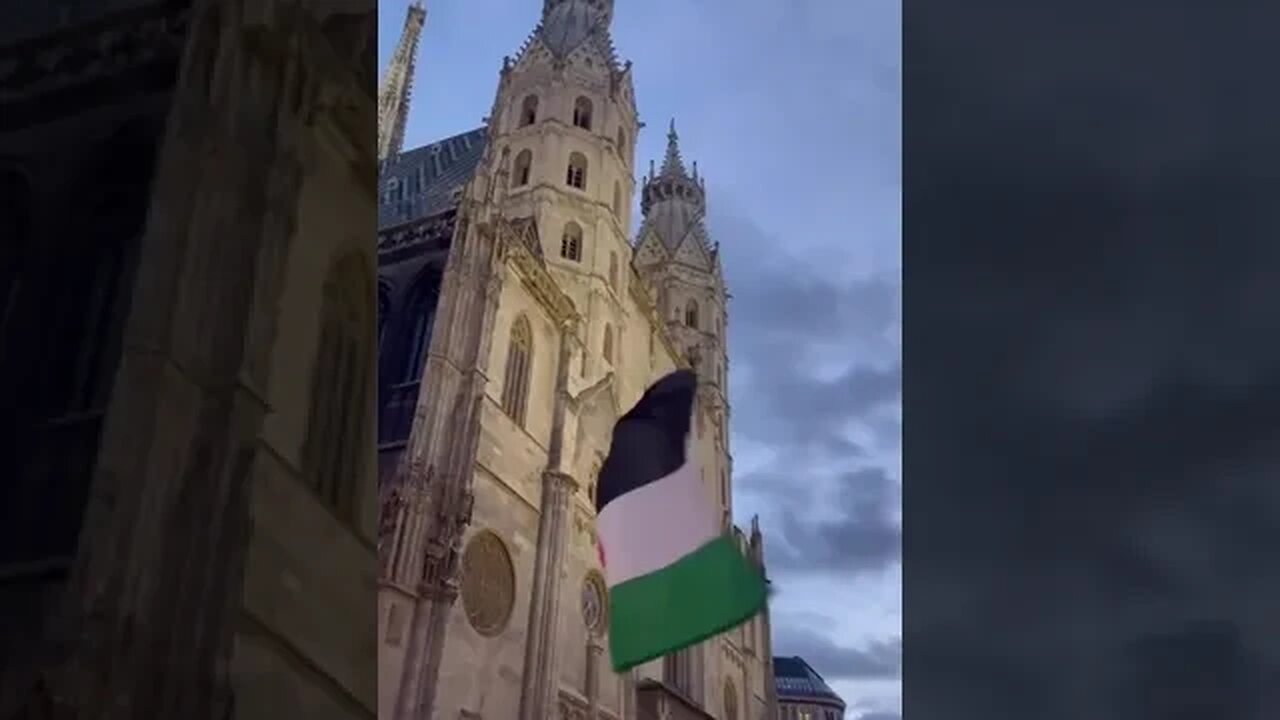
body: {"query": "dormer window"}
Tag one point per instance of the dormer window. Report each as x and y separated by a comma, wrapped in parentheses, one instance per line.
(582, 113)
(576, 177)
(571, 242)
(522, 169)
(691, 314)
(607, 346)
(529, 111)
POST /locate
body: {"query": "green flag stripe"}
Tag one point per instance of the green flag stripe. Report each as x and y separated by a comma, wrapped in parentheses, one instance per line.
(711, 590)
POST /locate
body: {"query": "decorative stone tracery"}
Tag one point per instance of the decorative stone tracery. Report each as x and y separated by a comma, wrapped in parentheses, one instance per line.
(595, 603)
(488, 584)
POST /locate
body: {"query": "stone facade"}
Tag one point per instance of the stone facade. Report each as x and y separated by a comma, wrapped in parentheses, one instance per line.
(544, 321)
(222, 153)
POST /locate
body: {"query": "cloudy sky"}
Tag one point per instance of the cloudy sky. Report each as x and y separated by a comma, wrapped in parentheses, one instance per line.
(1093, 394)
(792, 110)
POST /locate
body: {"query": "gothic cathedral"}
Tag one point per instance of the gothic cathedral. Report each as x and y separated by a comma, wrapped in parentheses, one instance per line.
(518, 317)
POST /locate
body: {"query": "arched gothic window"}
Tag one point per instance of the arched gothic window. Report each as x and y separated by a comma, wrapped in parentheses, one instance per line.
(15, 218)
(523, 168)
(67, 303)
(339, 416)
(617, 200)
(607, 349)
(571, 242)
(515, 382)
(576, 177)
(423, 319)
(613, 270)
(678, 670)
(582, 113)
(384, 309)
(529, 110)
(730, 700)
(691, 314)
(622, 144)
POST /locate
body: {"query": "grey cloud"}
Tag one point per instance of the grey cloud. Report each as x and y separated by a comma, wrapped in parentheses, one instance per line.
(865, 538)
(1106, 393)
(877, 660)
(780, 315)
(786, 314)
(816, 404)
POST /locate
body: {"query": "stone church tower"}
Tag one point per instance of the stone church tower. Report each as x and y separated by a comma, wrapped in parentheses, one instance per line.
(681, 267)
(517, 324)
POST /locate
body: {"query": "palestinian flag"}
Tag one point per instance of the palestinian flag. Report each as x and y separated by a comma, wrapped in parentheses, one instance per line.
(674, 577)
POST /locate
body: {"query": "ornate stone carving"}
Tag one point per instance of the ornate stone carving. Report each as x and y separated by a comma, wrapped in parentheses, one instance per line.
(595, 603)
(131, 40)
(435, 230)
(533, 273)
(571, 708)
(392, 505)
(488, 584)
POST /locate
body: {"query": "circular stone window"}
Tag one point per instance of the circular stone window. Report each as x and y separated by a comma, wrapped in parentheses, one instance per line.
(595, 611)
(488, 583)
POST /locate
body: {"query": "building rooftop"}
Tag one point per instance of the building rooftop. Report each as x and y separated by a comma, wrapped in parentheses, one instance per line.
(795, 679)
(428, 180)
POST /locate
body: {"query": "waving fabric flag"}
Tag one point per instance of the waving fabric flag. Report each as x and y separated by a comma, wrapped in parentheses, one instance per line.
(675, 577)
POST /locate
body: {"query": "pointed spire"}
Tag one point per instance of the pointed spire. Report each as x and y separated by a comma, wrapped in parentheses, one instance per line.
(567, 24)
(672, 165)
(601, 9)
(397, 84)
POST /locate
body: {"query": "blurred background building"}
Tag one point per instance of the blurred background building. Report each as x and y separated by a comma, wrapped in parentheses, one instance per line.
(802, 693)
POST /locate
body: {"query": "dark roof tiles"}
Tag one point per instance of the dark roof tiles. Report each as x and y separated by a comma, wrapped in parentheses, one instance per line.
(428, 180)
(795, 679)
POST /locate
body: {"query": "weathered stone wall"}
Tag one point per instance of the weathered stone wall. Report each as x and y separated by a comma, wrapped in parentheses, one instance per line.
(306, 566)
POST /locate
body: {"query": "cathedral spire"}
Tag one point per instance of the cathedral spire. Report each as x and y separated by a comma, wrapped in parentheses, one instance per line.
(397, 84)
(600, 10)
(568, 24)
(671, 200)
(672, 165)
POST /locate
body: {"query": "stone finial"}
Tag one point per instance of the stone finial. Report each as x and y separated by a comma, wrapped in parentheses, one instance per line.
(672, 165)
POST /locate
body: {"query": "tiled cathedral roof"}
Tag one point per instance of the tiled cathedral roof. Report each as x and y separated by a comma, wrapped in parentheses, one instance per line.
(427, 180)
(796, 680)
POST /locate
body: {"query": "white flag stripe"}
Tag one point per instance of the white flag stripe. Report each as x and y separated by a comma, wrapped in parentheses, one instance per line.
(651, 527)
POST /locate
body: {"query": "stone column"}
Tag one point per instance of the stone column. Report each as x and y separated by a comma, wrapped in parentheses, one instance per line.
(594, 650)
(437, 593)
(442, 449)
(537, 690)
